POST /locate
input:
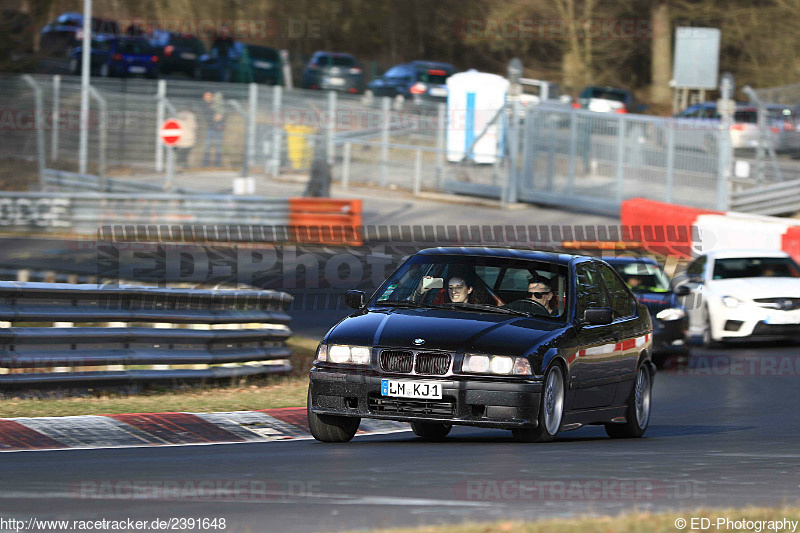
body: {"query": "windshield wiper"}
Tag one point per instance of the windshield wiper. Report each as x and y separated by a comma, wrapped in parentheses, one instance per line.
(483, 307)
(403, 303)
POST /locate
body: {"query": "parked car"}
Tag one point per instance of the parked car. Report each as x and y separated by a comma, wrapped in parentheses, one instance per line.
(263, 64)
(332, 71)
(697, 126)
(608, 100)
(177, 51)
(455, 337)
(652, 288)
(743, 294)
(63, 34)
(418, 80)
(126, 56)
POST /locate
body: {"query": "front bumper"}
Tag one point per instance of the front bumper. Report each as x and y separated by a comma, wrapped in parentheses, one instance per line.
(670, 336)
(755, 322)
(501, 403)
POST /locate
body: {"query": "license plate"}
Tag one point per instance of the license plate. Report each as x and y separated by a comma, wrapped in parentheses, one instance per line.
(782, 319)
(438, 91)
(137, 70)
(411, 389)
(335, 81)
(187, 55)
(262, 64)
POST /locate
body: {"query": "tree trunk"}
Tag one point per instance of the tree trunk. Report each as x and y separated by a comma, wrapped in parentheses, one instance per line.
(661, 58)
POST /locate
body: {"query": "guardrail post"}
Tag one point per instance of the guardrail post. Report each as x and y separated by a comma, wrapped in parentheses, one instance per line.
(38, 124)
(251, 128)
(277, 127)
(510, 195)
(161, 95)
(330, 129)
(670, 188)
(386, 103)
(418, 172)
(102, 135)
(723, 167)
(348, 147)
(441, 132)
(621, 156)
(56, 112)
(573, 149)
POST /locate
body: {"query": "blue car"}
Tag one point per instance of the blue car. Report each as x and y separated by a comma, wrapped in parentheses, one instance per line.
(652, 288)
(123, 56)
(232, 61)
(418, 80)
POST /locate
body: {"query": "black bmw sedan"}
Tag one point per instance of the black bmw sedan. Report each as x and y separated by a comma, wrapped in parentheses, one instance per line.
(533, 342)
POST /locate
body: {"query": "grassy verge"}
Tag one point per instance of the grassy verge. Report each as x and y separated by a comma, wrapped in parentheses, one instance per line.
(262, 393)
(631, 523)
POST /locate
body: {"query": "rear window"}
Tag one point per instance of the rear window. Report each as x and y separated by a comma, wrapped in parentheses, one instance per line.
(189, 43)
(262, 52)
(434, 76)
(748, 117)
(605, 94)
(337, 61)
(134, 47)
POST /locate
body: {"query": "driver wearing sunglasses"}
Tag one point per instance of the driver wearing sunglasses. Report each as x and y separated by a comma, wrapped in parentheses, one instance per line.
(539, 291)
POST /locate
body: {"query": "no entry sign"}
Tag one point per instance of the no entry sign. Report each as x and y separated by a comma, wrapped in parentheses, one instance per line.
(171, 131)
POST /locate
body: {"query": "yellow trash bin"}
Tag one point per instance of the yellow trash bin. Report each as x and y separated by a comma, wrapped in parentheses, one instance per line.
(299, 145)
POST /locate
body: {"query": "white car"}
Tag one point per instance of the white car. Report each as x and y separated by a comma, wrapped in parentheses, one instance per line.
(743, 294)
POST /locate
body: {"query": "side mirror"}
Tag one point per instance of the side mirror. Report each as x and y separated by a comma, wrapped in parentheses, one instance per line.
(355, 299)
(597, 316)
(681, 290)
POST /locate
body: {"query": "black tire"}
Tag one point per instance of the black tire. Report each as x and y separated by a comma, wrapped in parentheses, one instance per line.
(104, 70)
(708, 337)
(431, 430)
(637, 414)
(74, 69)
(198, 73)
(551, 405)
(331, 428)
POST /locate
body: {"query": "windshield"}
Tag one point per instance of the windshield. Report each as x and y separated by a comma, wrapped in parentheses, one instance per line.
(262, 52)
(136, 47)
(534, 288)
(756, 267)
(643, 277)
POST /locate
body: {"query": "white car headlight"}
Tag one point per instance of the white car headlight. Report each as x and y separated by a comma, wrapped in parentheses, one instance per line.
(342, 354)
(730, 301)
(668, 315)
(496, 364)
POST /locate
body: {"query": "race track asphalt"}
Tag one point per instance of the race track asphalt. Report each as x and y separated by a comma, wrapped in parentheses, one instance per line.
(725, 431)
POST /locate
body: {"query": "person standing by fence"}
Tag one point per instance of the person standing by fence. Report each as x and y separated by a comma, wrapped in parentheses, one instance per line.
(187, 140)
(214, 113)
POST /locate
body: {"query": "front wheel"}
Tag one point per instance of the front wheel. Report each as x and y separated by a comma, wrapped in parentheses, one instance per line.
(431, 430)
(638, 412)
(331, 428)
(104, 70)
(551, 410)
(708, 334)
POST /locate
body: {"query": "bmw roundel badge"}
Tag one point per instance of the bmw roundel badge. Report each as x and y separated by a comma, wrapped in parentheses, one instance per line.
(418, 342)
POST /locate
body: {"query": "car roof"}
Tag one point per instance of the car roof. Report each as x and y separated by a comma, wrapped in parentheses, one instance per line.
(743, 252)
(626, 259)
(422, 64)
(509, 253)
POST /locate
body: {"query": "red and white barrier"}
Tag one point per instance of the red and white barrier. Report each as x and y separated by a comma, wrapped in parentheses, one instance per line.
(686, 231)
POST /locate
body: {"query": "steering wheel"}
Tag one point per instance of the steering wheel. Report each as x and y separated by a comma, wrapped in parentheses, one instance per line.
(528, 306)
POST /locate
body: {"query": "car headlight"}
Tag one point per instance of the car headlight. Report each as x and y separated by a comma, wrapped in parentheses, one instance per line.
(496, 364)
(342, 354)
(668, 315)
(730, 301)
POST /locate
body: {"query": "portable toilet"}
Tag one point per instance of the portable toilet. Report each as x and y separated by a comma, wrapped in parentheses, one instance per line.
(473, 100)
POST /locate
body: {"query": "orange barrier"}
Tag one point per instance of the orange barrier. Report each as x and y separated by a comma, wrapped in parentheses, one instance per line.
(326, 221)
(662, 228)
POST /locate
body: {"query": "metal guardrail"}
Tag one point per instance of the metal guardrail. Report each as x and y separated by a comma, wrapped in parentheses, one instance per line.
(144, 326)
(84, 212)
(774, 199)
(63, 181)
